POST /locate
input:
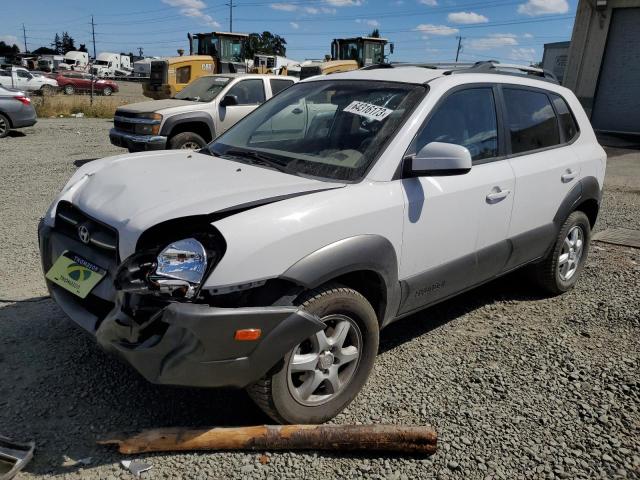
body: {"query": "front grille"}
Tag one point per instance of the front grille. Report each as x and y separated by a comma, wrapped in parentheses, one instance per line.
(158, 72)
(70, 219)
(123, 126)
(310, 71)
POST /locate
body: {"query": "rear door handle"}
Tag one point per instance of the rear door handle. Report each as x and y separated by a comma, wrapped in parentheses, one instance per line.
(568, 175)
(497, 194)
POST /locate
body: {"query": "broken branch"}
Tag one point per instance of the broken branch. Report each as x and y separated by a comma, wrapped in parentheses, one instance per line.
(420, 440)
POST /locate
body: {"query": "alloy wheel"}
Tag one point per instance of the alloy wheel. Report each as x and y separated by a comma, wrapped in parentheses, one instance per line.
(323, 365)
(571, 253)
(190, 146)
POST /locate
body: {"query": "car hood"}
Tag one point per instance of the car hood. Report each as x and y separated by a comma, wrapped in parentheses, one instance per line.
(137, 191)
(154, 105)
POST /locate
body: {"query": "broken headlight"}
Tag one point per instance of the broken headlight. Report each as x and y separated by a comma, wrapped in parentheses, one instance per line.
(183, 260)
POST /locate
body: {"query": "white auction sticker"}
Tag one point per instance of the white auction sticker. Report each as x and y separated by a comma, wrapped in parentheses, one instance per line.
(368, 110)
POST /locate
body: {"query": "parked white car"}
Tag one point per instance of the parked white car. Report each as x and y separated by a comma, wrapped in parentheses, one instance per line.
(204, 109)
(22, 79)
(271, 259)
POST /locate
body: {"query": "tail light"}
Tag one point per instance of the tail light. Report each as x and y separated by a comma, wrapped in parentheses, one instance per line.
(23, 100)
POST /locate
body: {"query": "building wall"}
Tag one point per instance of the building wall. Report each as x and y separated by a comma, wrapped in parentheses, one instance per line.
(588, 43)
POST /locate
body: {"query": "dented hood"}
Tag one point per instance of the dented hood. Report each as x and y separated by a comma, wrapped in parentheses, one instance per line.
(136, 191)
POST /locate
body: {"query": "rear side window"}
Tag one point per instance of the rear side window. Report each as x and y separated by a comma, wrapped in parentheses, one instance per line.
(466, 118)
(568, 125)
(277, 85)
(531, 120)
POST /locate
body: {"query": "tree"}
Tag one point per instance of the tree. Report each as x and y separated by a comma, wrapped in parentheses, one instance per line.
(266, 43)
(82, 48)
(57, 45)
(375, 33)
(44, 51)
(67, 43)
(7, 50)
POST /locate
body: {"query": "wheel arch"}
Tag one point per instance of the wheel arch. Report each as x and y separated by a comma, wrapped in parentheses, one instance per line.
(366, 263)
(8, 117)
(585, 196)
(196, 122)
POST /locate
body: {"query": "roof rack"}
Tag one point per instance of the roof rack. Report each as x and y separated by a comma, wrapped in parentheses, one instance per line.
(487, 66)
(493, 66)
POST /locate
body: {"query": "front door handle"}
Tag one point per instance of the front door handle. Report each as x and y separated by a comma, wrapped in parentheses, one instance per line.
(568, 175)
(497, 194)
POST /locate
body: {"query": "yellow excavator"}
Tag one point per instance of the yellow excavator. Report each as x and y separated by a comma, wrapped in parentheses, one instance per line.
(214, 52)
(348, 54)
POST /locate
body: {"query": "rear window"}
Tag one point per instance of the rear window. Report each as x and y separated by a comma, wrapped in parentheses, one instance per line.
(568, 125)
(531, 120)
(277, 85)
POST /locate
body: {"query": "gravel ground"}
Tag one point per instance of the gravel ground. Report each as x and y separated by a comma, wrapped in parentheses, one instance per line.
(517, 385)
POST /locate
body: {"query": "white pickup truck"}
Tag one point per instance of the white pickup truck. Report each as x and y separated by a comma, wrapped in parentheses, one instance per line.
(21, 78)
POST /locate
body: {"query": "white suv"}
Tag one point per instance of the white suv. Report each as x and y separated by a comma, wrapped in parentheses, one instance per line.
(270, 259)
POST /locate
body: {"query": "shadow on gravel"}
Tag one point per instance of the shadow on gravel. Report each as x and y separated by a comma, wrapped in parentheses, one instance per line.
(79, 163)
(515, 286)
(61, 391)
(16, 134)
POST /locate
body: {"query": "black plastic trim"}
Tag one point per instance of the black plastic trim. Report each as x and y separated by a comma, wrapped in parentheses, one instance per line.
(360, 253)
(188, 117)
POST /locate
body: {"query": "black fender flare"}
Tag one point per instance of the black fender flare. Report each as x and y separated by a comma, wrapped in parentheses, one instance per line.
(188, 117)
(358, 253)
(588, 188)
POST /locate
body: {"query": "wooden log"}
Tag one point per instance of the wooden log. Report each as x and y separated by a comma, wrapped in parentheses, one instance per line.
(416, 440)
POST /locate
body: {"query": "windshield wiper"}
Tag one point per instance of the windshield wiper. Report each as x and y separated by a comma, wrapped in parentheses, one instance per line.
(256, 158)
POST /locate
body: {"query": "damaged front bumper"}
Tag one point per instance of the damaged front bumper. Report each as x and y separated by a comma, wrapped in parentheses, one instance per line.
(185, 344)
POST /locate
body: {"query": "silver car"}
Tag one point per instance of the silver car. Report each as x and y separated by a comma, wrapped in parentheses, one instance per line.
(16, 110)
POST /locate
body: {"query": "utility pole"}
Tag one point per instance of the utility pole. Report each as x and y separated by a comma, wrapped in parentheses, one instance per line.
(459, 48)
(231, 7)
(24, 34)
(93, 34)
(140, 51)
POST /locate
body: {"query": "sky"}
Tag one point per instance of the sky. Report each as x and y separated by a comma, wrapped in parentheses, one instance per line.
(421, 30)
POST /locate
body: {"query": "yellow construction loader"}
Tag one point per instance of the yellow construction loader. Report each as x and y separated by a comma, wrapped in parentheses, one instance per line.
(215, 52)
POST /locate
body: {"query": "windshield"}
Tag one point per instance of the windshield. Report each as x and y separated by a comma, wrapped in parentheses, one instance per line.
(326, 129)
(203, 89)
(101, 62)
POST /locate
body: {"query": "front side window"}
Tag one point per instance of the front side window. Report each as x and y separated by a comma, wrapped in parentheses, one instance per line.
(531, 120)
(23, 74)
(329, 129)
(568, 125)
(183, 74)
(203, 89)
(467, 118)
(249, 92)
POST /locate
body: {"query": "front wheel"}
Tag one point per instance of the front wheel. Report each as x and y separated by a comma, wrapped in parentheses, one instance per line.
(186, 141)
(560, 270)
(107, 91)
(69, 90)
(323, 374)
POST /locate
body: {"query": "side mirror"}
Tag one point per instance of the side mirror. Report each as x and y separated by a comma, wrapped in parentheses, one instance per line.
(229, 100)
(438, 159)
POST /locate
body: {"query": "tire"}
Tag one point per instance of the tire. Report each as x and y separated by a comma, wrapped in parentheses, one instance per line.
(555, 274)
(5, 126)
(69, 90)
(107, 91)
(278, 393)
(47, 90)
(186, 140)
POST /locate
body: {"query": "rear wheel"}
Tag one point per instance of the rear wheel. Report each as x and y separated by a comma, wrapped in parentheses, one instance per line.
(4, 126)
(560, 270)
(69, 90)
(323, 374)
(186, 141)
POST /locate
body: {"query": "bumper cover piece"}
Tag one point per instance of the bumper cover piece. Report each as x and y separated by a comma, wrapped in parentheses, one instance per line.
(197, 348)
(137, 142)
